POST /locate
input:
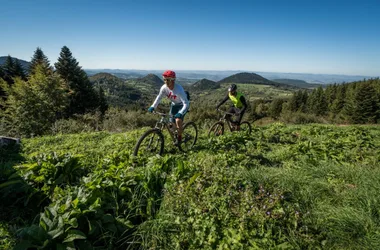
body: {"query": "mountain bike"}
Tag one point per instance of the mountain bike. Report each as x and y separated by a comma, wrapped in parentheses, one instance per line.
(217, 128)
(152, 141)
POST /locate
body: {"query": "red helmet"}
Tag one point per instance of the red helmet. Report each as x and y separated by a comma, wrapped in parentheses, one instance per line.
(169, 73)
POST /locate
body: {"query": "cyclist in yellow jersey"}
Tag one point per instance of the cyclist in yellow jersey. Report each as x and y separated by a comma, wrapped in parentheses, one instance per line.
(239, 104)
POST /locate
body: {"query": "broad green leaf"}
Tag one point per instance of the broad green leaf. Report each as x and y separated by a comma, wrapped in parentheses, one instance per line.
(74, 235)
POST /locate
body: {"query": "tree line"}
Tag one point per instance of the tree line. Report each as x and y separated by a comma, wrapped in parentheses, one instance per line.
(32, 99)
(353, 103)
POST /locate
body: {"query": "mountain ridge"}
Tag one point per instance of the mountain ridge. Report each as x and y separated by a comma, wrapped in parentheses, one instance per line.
(24, 64)
(217, 75)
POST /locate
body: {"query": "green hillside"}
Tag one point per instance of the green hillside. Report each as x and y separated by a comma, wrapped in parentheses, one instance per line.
(151, 80)
(283, 187)
(204, 85)
(117, 92)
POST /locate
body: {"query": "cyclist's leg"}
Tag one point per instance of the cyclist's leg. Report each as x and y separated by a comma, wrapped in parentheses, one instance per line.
(235, 111)
(228, 116)
(238, 120)
(179, 122)
(240, 117)
(173, 111)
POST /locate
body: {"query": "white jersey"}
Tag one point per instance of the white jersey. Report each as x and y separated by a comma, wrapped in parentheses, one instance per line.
(176, 96)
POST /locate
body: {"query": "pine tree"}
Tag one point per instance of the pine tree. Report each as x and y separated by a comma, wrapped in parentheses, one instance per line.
(18, 70)
(294, 102)
(2, 73)
(83, 97)
(317, 102)
(312, 101)
(103, 105)
(39, 58)
(2, 92)
(367, 104)
(349, 102)
(330, 93)
(8, 68)
(303, 104)
(338, 104)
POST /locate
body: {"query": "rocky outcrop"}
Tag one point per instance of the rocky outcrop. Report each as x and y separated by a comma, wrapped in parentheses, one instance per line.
(5, 141)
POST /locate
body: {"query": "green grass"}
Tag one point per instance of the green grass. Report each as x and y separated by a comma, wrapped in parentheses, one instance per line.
(283, 187)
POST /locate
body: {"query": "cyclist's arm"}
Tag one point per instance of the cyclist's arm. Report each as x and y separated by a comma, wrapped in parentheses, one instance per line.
(244, 102)
(223, 101)
(158, 98)
(185, 102)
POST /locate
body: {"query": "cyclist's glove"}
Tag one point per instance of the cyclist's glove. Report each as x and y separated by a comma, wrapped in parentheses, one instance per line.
(150, 109)
(178, 115)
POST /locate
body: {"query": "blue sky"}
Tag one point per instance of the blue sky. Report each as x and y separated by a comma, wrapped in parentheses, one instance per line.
(320, 37)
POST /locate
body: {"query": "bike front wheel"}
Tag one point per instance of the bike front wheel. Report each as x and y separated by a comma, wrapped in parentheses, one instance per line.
(216, 130)
(189, 137)
(150, 143)
(245, 127)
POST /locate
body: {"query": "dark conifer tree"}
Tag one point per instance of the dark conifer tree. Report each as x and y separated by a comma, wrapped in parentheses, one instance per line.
(311, 101)
(293, 103)
(83, 97)
(330, 94)
(349, 102)
(2, 92)
(1, 71)
(298, 101)
(367, 106)
(8, 70)
(18, 70)
(39, 58)
(103, 105)
(317, 103)
(304, 96)
(322, 107)
(338, 104)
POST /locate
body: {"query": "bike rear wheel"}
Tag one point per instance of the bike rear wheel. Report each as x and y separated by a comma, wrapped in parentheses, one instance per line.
(245, 127)
(189, 137)
(150, 143)
(216, 130)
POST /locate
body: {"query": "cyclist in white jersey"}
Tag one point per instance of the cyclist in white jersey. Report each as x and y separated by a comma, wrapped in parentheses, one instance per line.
(178, 97)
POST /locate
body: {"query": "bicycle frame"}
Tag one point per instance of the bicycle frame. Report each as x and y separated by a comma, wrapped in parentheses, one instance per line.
(225, 120)
(164, 123)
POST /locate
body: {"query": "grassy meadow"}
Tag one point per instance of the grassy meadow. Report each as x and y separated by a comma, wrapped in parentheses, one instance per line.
(282, 187)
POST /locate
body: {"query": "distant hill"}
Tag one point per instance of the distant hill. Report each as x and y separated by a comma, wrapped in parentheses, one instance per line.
(246, 78)
(104, 77)
(24, 64)
(151, 79)
(205, 84)
(251, 78)
(117, 92)
(297, 83)
(118, 73)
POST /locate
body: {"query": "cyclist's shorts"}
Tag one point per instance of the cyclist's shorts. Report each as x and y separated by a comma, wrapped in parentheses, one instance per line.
(174, 110)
